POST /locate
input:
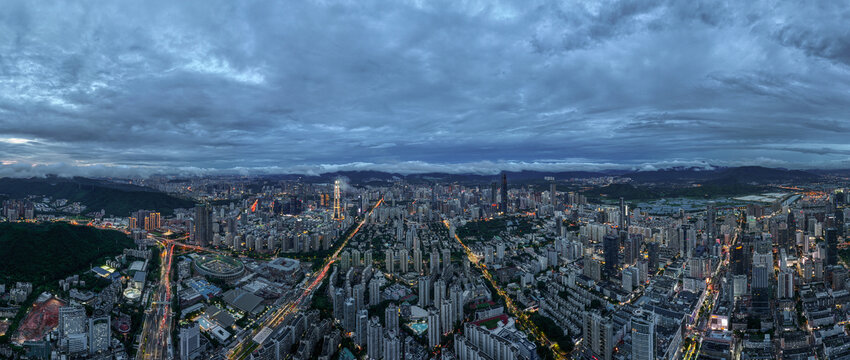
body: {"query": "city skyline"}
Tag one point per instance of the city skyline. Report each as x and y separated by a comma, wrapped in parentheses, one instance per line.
(200, 88)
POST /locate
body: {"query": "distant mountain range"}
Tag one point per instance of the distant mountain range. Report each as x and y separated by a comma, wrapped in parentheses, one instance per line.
(116, 199)
(679, 175)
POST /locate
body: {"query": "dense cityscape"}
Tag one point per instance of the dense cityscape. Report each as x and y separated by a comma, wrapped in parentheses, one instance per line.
(259, 268)
(411, 179)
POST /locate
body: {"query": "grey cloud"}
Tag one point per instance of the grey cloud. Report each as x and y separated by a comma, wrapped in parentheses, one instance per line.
(219, 86)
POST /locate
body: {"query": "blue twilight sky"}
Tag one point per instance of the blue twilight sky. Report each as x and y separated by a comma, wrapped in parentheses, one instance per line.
(140, 87)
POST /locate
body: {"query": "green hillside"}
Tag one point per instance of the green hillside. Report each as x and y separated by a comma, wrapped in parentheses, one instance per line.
(116, 199)
(44, 252)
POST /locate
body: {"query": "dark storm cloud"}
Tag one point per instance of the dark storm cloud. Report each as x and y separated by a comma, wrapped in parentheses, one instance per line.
(131, 89)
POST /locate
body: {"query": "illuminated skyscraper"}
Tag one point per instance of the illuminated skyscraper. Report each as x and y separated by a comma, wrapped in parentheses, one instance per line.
(337, 210)
(710, 221)
(202, 232)
(623, 223)
(504, 206)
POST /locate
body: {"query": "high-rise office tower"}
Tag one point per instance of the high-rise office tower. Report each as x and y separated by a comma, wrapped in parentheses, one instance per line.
(553, 195)
(610, 249)
(631, 249)
(761, 277)
(504, 206)
(831, 246)
(391, 318)
(643, 335)
(72, 320)
(494, 189)
(623, 215)
(652, 249)
(190, 340)
(839, 221)
(710, 221)
(785, 282)
(337, 215)
(433, 328)
(202, 232)
(100, 334)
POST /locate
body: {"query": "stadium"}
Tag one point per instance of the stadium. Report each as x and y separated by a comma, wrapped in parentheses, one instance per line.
(219, 267)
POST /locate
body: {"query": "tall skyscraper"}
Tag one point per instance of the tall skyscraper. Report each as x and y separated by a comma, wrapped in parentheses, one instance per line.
(72, 320)
(504, 206)
(433, 328)
(643, 335)
(623, 215)
(652, 249)
(785, 284)
(100, 334)
(831, 246)
(494, 189)
(190, 340)
(553, 195)
(610, 248)
(710, 221)
(202, 232)
(337, 215)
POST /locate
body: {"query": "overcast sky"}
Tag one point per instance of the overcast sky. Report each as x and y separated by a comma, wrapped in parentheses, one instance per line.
(139, 87)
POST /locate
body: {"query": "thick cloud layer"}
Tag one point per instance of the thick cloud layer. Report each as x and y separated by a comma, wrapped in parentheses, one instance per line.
(134, 88)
